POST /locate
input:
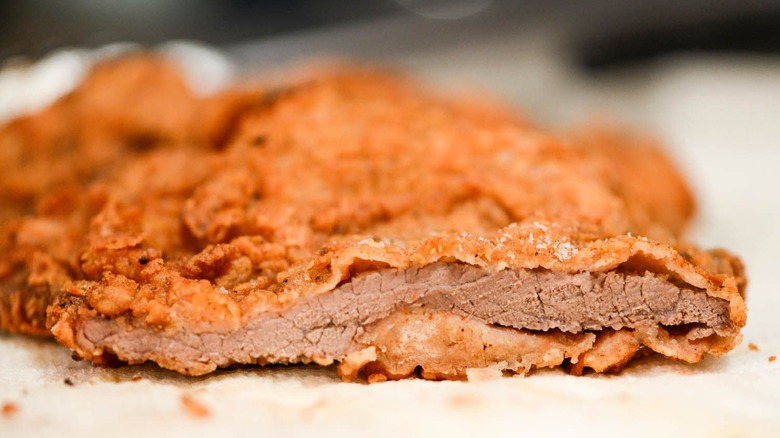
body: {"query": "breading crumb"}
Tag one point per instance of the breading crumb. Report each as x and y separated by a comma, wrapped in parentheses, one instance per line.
(194, 407)
(772, 358)
(10, 409)
(68, 381)
(752, 347)
(464, 401)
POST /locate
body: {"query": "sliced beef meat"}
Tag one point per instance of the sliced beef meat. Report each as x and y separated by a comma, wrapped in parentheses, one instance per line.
(543, 300)
(355, 315)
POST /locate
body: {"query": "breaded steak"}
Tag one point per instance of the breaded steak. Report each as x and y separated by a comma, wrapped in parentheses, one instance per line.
(352, 217)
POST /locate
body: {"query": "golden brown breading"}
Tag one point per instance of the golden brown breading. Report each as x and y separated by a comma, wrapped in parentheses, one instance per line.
(347, 172)
(54, 163)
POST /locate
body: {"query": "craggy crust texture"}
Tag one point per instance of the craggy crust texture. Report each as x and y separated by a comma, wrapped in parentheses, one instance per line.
(54, 164)
(261, 200)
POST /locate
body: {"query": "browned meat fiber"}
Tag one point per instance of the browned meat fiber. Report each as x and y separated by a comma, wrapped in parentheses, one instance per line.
(347, 215)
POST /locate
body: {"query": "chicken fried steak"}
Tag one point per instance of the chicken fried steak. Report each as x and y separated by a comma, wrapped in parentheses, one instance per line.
(352, 217)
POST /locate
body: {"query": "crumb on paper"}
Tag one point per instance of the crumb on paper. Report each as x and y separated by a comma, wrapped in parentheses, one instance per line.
(464, 401)
(772, 358)
(194, 407)
(752, 347)
(314, 409)
(10, 409)
(68, 381)
(136, 378)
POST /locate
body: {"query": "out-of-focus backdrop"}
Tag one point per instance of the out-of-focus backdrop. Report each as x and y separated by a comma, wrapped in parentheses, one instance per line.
(597, 33)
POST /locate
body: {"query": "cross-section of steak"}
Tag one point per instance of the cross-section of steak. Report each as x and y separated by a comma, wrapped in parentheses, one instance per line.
(350, 217)
(445, 318)
(450, 305)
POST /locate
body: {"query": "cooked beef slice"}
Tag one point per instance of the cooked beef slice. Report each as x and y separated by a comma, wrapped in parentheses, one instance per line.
(329, 326)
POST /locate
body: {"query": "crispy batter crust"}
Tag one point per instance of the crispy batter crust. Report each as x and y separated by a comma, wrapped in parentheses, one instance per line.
(55, 163)
(258, 200)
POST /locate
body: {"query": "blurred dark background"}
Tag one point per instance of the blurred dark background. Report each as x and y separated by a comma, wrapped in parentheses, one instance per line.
(598, 33)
